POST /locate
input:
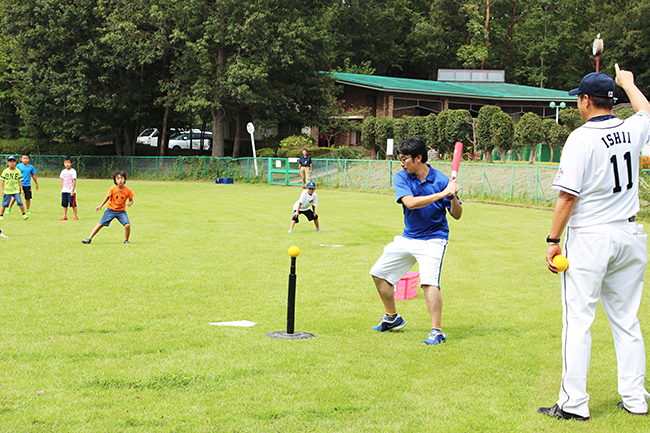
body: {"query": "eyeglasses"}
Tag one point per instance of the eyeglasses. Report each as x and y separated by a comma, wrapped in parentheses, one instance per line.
(404, 158)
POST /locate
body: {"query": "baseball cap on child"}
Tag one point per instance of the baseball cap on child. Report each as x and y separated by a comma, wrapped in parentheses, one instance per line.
(311, 185)
(595, 84)
(11, 158)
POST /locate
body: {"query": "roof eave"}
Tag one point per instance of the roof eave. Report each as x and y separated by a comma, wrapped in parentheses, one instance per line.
(462, 95)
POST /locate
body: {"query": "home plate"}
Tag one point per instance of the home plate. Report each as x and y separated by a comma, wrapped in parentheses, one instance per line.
(239, 323)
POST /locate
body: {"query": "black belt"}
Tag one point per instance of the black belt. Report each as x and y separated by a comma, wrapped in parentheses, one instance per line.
(632, 218)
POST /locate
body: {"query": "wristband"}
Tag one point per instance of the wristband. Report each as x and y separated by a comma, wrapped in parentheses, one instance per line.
(550, 240)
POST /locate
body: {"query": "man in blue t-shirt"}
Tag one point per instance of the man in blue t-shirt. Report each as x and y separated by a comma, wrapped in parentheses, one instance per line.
(423, 193)
(28, 171)
(305, 168)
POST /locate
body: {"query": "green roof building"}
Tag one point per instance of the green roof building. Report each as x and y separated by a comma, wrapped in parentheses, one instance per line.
(397, 97)
(455, 89)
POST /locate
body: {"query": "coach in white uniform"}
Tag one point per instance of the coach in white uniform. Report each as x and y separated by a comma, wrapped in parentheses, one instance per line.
(598, 199)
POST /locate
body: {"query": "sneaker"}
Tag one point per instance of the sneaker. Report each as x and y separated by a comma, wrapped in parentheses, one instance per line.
(1, 217)
(620, 404)
(319, 230)
(290, 231)
(436, 336)
(387, 324)
(8, 211)
(29, 212)
(25, 216)
(63, 219)
(556, 412)
(2, 235)
(127, 242)
(86, 241)
(75, 219)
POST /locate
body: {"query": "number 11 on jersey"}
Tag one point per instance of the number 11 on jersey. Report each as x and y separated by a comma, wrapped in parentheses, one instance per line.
(617, 181)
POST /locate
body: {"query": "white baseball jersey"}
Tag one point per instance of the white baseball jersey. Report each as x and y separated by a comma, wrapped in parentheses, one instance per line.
(600, 165)
(306, 200)
(607, 255)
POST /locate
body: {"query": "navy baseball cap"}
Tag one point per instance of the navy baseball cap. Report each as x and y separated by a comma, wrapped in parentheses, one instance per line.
(11, 158)
(596, 84)
(311, 185)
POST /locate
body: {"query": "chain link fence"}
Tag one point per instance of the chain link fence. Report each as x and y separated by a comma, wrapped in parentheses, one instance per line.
(518, 183)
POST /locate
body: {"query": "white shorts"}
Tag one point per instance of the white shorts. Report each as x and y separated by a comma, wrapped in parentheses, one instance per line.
(400, 255)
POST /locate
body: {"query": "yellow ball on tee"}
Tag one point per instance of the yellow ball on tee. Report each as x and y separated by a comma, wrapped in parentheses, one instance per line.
(561, 262)
(294, 251)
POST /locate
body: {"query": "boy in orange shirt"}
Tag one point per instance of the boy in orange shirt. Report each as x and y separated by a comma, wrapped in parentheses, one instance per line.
(117, 197)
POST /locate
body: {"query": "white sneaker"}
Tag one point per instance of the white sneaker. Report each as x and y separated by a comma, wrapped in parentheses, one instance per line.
(2, 235)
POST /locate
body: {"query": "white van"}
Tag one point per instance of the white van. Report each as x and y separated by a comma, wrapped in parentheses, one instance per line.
(187, 140)
(149, 137)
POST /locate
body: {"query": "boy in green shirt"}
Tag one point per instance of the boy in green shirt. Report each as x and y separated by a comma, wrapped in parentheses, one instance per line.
(11, 186)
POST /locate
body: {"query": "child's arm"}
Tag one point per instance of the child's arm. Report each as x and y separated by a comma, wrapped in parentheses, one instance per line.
(106, 199)
(130, 203)
(74, 186)
(314, 209)
(297, 212)
(35, 181)
(2, 187)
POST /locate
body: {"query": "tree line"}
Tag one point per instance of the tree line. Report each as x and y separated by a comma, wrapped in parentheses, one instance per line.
(493, 129)
(86, 68)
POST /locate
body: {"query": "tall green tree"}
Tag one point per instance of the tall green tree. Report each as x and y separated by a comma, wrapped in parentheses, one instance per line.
(554, 135)
(570, 118)
(459, 127)
(475, 51)
(529, 130)
(369, 135)
(503, 133)
(384, 129)
(484, 130)
(373, 31)
(264, 56)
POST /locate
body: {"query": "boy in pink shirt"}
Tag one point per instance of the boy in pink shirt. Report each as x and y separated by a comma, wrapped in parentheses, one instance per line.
(68, 189)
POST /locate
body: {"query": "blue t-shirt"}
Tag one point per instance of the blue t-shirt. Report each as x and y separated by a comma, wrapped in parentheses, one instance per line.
(305, 160)
(26, 171)
(429, 222)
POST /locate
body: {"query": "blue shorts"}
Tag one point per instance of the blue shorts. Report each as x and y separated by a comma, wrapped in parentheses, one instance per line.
(68, 200)
(7, 198)
(110, 215)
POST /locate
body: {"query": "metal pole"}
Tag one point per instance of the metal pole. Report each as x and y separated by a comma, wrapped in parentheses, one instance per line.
(291, 304)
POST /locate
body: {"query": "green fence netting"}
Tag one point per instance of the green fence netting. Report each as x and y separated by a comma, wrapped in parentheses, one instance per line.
(510, 182)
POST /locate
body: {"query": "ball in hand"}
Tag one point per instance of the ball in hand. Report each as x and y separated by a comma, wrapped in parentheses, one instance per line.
(294, 251)
(561, 262)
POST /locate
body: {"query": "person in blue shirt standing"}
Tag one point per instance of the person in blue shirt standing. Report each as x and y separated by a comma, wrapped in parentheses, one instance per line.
(423, 193)
(28, 171)
(305, 168)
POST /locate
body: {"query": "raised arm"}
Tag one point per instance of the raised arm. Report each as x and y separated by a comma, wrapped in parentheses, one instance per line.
(625, 79)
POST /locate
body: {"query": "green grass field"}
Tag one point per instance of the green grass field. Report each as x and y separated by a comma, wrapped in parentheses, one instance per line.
(110, 337)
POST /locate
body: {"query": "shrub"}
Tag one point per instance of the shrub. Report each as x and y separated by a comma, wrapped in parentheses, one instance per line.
(624, 112)
(19, 146)
(267, 152)
(297, 142)
(314, 152)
